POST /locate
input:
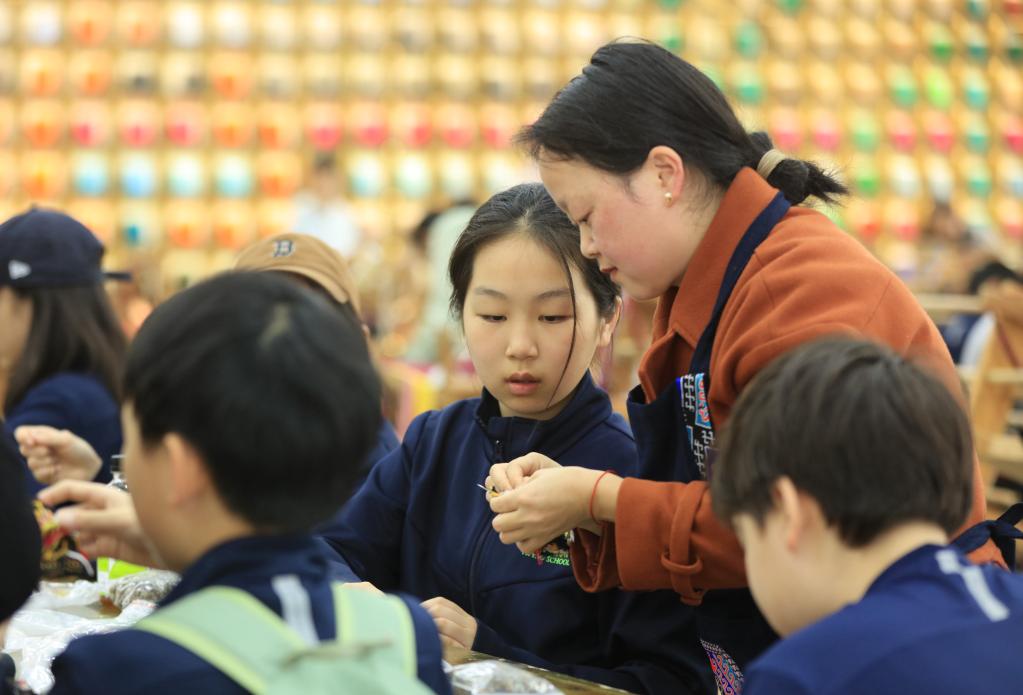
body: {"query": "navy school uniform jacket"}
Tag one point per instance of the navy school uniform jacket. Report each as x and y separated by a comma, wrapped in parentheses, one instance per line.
(932, 622)
(421, 525)
(76, 402)
(133, 661)
(387, 441)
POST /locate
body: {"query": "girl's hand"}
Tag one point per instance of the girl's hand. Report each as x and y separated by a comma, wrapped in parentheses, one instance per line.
(54, 455)
(455, 626)
(508, 476)
(552, 501)
(103, 521)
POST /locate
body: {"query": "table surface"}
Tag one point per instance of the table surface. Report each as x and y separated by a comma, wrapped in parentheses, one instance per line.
(566, 684)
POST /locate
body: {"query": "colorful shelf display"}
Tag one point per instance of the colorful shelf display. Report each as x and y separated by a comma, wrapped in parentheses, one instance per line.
(189, 124)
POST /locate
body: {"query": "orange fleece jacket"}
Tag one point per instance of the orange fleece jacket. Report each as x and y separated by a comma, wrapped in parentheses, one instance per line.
(806, 280)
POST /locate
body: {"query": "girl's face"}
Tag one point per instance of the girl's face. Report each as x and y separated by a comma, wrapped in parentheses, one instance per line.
(518, 327)
(16, 319)
(635, 235)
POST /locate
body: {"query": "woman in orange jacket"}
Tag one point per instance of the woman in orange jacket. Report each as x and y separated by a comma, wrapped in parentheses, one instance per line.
(678, 202)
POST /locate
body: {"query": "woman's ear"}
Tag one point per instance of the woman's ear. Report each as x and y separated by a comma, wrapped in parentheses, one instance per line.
(608, 325)
(667, 165)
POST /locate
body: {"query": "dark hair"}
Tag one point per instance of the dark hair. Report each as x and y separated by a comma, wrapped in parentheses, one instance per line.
(876, 440)
(270, 384)
(992, 270)
(73, 330)
(421, 232)
(529, 209)
(324, 163)
(345, 309)
(634, 96)
(20, 543)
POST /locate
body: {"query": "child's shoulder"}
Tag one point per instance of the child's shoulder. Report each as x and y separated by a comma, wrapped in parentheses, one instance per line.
(133, 661)
(915, 629)
(69, 389)
(439, 422)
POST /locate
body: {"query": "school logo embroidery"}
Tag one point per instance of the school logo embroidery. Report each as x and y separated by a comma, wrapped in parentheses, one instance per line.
(696, 412)
(554, 553)
(726, 672)
(284, 247)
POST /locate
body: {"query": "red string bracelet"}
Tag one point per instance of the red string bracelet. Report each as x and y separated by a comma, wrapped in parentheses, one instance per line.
(593, 495)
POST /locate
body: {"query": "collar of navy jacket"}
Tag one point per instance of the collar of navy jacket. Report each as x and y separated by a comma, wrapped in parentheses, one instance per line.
(511, 437)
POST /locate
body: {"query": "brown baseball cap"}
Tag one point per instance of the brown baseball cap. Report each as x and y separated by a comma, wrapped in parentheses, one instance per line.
(303, 255)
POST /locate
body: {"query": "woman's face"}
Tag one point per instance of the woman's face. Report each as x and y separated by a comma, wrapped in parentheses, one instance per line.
(518, 323)
(16, 320)
(636, 235)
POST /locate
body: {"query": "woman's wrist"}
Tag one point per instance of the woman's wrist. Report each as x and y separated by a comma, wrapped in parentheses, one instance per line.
(605, 498)
(598, 503)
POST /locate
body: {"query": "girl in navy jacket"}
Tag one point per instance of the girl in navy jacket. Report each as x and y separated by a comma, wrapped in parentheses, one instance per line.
(534, 312)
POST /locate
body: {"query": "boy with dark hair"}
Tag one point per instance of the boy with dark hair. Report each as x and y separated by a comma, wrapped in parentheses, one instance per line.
(843, 470)
(241, 394)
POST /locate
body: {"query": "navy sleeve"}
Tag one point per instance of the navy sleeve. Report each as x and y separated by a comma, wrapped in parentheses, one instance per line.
(428, 649)
(367, 533)
(75, 403)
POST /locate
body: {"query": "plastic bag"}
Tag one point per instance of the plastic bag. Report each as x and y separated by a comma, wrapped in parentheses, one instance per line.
(37, 636)
(497, 678)
(149, 585)
(60, 612)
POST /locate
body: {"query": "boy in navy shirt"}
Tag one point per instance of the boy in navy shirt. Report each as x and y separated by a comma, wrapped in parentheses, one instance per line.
(249, 406)
(844, 470)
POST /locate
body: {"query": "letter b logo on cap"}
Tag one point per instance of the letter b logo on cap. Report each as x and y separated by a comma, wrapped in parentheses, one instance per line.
(284, 247)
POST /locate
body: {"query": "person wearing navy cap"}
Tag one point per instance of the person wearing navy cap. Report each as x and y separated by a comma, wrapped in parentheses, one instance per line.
(61, 349)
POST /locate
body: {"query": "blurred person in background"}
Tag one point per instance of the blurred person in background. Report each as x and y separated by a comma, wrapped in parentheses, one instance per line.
(61, 348)
(321, 210)
(950, 253)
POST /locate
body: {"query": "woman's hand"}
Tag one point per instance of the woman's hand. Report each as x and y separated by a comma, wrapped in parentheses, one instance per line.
(455, 626)
(102, 519)
(508, 476)
(550, 502)
(54, 455)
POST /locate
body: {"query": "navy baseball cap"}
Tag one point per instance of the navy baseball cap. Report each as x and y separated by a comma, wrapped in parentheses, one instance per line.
(46, 248)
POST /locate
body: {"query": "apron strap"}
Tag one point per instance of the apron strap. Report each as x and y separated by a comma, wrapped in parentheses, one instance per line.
(1002, 531)
(757, 232)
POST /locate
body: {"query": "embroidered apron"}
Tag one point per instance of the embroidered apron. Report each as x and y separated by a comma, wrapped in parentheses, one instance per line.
(675, 438)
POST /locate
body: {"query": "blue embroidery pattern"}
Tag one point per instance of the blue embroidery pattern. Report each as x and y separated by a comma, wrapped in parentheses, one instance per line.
(696, 409)
(726, 672)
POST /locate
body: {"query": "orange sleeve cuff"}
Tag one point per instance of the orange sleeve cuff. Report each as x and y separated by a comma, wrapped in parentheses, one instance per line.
(669, 538)
(593, 559)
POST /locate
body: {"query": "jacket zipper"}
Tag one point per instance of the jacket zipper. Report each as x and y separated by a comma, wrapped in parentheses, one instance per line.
(481, 536)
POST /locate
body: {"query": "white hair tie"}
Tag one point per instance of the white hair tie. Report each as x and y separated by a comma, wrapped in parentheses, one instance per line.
(769, 161)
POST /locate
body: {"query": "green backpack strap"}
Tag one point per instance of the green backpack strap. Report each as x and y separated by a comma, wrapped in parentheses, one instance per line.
(248, 642)
(380, 622)
(231, 630)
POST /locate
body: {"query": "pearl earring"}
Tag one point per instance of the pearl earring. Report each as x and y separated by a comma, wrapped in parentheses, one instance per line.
(667, 197)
